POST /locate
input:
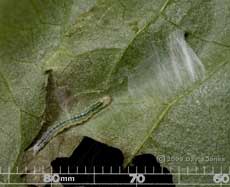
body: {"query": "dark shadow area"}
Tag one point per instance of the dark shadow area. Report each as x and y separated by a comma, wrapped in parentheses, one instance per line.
(92, 156)
(186, 34)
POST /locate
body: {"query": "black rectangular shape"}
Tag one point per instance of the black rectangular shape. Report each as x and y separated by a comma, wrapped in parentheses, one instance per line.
(113, 178)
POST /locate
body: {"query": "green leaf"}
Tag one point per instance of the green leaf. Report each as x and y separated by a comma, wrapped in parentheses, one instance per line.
(135, 52)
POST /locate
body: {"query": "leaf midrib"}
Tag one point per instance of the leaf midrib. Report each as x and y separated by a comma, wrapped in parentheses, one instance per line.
(170, 105)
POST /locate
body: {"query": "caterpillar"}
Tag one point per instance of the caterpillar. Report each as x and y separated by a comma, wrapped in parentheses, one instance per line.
(84, 116)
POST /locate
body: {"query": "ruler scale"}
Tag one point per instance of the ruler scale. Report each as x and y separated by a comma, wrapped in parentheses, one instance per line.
(129, 178)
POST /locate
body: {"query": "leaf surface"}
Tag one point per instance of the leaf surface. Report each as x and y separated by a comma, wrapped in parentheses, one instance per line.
(134, 51)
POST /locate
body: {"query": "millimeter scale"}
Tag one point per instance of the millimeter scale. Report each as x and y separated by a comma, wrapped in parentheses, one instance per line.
(96, 177)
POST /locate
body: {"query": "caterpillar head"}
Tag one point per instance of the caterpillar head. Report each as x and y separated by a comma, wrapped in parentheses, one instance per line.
(106, 100)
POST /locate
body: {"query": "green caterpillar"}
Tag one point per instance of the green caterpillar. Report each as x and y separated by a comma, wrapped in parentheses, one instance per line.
(75, 120)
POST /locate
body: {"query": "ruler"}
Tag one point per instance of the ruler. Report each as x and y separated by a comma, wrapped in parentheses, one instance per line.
(195, 177)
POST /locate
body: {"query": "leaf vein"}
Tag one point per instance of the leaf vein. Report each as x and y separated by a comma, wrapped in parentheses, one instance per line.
(172, 104)
(152, 20)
